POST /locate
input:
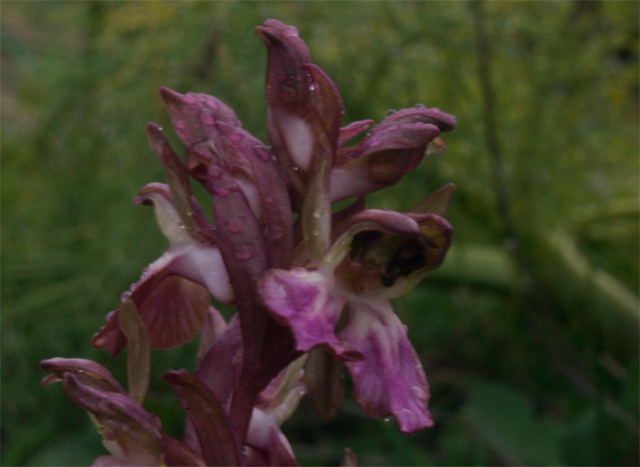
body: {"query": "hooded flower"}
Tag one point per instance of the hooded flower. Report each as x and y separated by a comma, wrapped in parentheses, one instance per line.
(132, 435)
(381, 255)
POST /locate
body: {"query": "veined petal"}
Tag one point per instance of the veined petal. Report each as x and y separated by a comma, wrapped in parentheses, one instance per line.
(191, 258)
(390, 379)
(170, 296)
(171, 307)
(303, 301)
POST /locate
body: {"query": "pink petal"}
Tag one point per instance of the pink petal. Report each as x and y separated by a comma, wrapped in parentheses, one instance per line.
(303, 301)
(390, 379)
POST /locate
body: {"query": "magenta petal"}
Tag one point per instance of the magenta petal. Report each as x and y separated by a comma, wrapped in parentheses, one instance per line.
(172, 308)
(390, 379)
(303, 301)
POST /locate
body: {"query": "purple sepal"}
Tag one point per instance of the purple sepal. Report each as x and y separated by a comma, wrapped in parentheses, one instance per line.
(390, 379)
(392, 149)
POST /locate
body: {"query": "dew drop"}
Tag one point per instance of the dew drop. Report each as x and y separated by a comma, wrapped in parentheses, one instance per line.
(389, 112)
(288, 93)
(388, 419)
(276, 233)
(262, 153)
(211, 103)
(125, 296)
(215, 173)
(290, 32)
(418, 392)
(207, 118)
(222, 192)
(316, 214)
(419, 106)
(235, 137)
(243, 251)
(375, 143)
(235, 224)
(180, 125)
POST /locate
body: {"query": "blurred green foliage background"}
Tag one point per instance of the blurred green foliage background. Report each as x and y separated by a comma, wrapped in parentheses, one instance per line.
(528, 334)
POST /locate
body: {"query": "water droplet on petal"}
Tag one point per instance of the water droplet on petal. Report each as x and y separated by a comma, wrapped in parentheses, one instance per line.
(299, 272)
(288, 93)
(290, 32)
(389, 112)
(235, 224)
(207, 118)
(418, 392)
(375, 142)
(419, 106)
(316, 214)
(235, 137)
(276, 233)
(262, 153)
(222, 192)
(215, 173)
(388, 419)
(243, 251)
(180, 125)
(125, 296)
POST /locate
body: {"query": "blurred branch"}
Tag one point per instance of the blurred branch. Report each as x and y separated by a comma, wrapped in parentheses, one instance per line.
(494, 149)
(203, 67)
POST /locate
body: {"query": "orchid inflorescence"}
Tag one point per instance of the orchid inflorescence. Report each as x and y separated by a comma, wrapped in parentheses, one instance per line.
(311, 286)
